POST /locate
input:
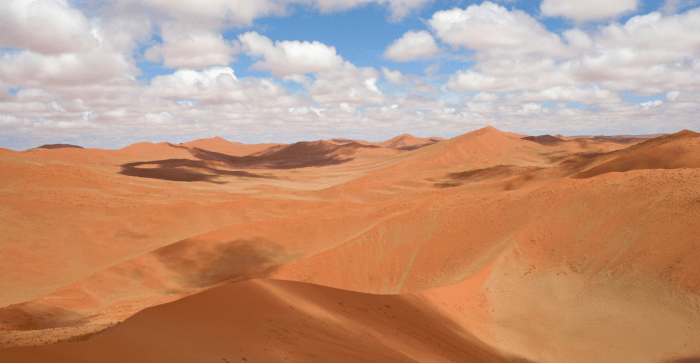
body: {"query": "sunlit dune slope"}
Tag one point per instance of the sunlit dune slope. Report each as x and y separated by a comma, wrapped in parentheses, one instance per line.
(278, 321)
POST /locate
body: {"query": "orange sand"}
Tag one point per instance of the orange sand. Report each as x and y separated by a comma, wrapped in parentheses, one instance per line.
(488, 247)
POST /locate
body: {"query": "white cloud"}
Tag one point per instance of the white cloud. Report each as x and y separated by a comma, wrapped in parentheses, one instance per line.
(415, 102)
(590, 94)
(395, 76)
(398, 9)
(241, 13)
(5, 94)
(485, 97)
(587, 10)
(672, 96)
(649, 54)
(59, 46)
(416, 83)
(34, 70)
(412, 46)
(402, 8)
(215, 85)
(512, 75)
(44, 26)
(649, 104)
(672, 36)
(192, 48)
(424, 87)
(123, 32)
(353, 85)
(286, 58)
(213, 12)
(494, 29)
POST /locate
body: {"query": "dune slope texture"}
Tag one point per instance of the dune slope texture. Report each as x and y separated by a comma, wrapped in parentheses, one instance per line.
(488, 247)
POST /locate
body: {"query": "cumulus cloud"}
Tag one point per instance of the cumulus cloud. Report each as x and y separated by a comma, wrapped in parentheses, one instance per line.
(58, 45)
(493, 28)
(412, 46)
(648, 54)
(44, 26)
(34, 70)
(215, 85)
(587, 10)
(286, 58)
(192, 48)
(355, 86)
(395, 76)
(415, 83)
(671, 36)
(512, 75)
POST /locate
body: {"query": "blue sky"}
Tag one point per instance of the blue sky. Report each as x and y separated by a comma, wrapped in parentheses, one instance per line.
(121, 71)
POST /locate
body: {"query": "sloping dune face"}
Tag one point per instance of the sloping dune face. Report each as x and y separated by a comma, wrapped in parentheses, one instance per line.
(488, 247)
(271, 321)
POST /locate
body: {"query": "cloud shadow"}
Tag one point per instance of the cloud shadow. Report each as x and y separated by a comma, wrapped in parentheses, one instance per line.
(207, 165)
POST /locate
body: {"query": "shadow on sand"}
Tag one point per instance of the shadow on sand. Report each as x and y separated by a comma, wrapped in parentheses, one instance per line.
(209, 165)
(487, 174)
(202, 265)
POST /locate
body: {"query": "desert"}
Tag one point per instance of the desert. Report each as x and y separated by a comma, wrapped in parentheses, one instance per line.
(487, 247)
(319, 181)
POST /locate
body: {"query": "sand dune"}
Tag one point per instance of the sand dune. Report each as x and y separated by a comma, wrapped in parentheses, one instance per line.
(218, 144)
(409, 142)
(278, 321)
(488, 247)
(666, 152)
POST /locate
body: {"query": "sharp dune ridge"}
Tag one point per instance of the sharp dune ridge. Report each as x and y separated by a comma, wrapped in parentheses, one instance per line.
(487, 247)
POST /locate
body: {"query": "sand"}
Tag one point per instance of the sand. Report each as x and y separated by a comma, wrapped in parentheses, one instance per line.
(488, 247)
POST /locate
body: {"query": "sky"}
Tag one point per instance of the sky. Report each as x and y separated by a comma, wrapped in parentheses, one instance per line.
(115, 72)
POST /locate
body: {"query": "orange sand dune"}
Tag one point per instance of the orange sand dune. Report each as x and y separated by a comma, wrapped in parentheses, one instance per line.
(675, 151)
(278, 321)
(218, 144)
(490, 246)
(409, 142)
(444, 164)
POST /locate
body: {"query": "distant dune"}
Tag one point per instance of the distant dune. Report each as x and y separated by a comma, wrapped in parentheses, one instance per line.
(487, 247)
(408, 142)
(59, 146)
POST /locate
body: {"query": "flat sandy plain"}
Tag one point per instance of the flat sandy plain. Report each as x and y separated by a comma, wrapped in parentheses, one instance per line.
(488, 247)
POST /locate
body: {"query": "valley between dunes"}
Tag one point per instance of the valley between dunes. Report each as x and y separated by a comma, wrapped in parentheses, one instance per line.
(487, 247)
